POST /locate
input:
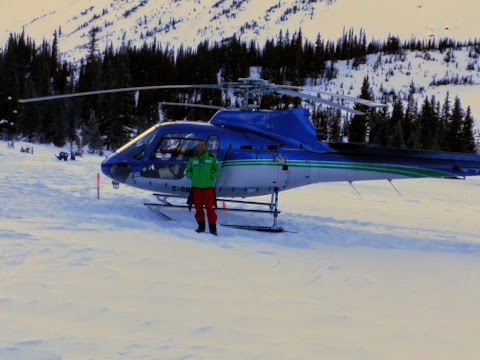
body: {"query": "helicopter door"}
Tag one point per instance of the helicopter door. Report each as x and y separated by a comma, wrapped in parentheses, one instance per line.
(213, 145)
(283, 171)
(255, 169)
(213, 148)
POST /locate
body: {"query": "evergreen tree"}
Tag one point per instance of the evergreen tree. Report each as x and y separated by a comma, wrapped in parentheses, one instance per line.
(335, 131)
(93, 44)
(90, 78)
(7, 103)
(319, 58)
(445, 119)
(59, 128)
(298, 68)
(426, 122)
(454, 135)
(409, 123)
(396, 138)
(46, 128)
(91, 134)
(117, 109)
(320, 120)
(357, 131)
(72, 123)
(11, 75)
(235, 60)
(437, 126)
(54, 63)
(468, 140)
(307, 61)
(392, 46)
(379, 125)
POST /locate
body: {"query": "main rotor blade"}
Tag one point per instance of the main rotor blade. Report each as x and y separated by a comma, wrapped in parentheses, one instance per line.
(365, 102)
(214, 107)
(110, 91)
(319, 100)
(245, 84)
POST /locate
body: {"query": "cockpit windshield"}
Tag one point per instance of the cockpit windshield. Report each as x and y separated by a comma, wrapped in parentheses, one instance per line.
(136, 148)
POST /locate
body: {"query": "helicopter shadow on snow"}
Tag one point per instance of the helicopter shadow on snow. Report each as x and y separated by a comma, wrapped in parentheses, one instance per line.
(308, 231)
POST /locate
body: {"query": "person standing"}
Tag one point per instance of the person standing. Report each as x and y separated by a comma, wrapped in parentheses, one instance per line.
(203, 170)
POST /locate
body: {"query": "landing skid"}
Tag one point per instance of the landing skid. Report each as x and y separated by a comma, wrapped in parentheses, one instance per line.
(273, 209)
(155, 209)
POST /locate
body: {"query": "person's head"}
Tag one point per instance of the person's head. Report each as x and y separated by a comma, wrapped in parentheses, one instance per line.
(201, 147)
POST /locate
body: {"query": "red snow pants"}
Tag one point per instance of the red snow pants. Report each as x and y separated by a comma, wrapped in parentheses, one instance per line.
(205, 197)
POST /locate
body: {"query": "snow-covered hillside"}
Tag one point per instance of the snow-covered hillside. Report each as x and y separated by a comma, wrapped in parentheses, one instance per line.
(189, 22)
(422, 70)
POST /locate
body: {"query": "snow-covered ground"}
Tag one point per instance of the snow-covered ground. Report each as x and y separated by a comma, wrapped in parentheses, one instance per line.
(378, 277)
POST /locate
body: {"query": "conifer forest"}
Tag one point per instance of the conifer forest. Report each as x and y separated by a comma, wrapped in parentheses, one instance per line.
(108, 121)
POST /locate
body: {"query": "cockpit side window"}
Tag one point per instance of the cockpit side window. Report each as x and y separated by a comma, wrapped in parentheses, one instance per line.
(213, 145)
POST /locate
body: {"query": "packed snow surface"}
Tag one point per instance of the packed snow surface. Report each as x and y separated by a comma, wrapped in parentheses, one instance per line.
(381, 276)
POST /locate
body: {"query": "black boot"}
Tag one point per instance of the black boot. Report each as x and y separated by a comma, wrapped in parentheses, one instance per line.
(201, 227)
(213, 229)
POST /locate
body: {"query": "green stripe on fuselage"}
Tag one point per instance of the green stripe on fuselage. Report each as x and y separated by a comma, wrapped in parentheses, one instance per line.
(407, 171)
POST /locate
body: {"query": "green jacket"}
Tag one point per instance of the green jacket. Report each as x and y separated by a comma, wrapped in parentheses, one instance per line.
(202, 170)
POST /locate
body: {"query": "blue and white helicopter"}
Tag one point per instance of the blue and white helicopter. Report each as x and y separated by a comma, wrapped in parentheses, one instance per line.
(263, 152)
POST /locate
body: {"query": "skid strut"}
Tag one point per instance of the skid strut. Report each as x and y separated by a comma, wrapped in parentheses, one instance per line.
(273, 210)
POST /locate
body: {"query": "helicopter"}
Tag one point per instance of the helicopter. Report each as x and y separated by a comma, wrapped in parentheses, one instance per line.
(262, 152)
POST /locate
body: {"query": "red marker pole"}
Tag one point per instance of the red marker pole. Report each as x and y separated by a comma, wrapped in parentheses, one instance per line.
(98, 186)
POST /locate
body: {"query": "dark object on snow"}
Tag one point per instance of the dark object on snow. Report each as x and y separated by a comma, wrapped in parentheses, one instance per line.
(27, 150)
(62, 156)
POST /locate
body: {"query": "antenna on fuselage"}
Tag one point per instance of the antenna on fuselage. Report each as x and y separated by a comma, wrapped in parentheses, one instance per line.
(351, 184)
(391, 183)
